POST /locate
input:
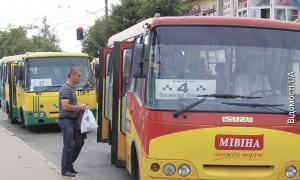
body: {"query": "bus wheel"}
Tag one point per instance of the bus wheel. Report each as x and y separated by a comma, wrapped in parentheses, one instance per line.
(135, 172)
(13, 121)
(7, 109)
(113, 153)
(22, 119)
(109, 133)
(31, 128)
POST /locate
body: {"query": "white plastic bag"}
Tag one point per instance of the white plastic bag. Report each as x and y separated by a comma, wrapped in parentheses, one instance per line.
(88, 122)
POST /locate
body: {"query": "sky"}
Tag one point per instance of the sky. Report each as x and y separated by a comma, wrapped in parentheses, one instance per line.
(64, 16)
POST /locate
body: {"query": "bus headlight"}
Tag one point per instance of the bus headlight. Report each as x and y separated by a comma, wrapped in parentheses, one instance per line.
(41, 115)
(35, 115)
(184, 170)
(290, 171)
(169, 169)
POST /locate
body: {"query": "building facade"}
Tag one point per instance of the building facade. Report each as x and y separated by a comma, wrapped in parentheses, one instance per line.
(285, 10)
(204, 8)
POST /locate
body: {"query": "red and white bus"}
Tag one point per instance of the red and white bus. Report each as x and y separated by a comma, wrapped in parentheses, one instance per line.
(203, 98)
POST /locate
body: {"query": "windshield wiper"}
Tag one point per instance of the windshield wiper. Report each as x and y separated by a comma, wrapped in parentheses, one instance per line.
(252, 104)
(205, 96)
(184, 109)
(229, 96)
(271, 107)
(49, 88)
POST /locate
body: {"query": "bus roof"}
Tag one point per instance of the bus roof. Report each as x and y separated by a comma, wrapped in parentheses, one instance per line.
(52, 54)
(27, 55)
(14, 58)
(138, 29)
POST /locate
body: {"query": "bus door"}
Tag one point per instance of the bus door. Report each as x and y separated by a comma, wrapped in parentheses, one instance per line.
(1, 82)
(121, 68)
(103, 107)
(19, 89)
(4, 75)
(12, 91)
(14, 86)
(6, 87)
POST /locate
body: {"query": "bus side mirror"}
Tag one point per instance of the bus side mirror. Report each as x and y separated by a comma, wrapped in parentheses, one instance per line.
(139, 73)
(137, 68)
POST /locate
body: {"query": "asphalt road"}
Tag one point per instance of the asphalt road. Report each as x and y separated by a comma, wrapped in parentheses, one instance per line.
(93, 162)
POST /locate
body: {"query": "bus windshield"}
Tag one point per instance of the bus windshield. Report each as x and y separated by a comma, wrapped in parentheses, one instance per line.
(188, 61)
(49, 73)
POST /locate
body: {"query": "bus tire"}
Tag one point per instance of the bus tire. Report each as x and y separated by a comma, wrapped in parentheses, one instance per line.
(135, 171)
(31, 128)
(109, 133)
(22, 119)
(11, 118)
(113, 153)
(13, 121)
(7, 109)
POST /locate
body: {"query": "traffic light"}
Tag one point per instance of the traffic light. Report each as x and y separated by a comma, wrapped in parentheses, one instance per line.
(79, 32)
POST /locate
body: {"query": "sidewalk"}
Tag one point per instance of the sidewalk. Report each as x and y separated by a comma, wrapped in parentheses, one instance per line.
(20, 161)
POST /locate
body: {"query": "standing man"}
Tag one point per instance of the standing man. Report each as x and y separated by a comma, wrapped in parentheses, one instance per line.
(68, 112)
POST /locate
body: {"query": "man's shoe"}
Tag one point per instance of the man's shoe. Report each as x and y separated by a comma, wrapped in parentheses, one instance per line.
(73, 171)
(68, 173)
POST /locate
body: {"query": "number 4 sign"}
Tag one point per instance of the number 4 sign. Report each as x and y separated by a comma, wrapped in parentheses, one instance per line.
(181, 88)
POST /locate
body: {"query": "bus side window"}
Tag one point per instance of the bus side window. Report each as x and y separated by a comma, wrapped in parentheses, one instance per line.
(2, 72)
(22, 73)
(108, 86)
(7, 73)
(127, 54)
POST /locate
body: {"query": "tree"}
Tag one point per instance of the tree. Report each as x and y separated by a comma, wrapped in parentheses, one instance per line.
(15, 40)
(46, 32)
(41, 44)
(98, 33)
(126, 14)
(163, 7)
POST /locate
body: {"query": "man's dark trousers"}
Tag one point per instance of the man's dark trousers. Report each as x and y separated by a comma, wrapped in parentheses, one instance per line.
(70, 151)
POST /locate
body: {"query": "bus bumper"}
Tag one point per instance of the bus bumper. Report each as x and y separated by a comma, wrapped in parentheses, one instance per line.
(32, 119)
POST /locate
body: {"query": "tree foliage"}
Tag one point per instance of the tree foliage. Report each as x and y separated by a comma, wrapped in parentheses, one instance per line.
(163, 7)
(97, 35)
(46, 32)
(15, 40)
(126, 14)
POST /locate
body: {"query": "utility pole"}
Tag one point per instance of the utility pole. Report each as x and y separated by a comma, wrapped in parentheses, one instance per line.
(106, 8)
